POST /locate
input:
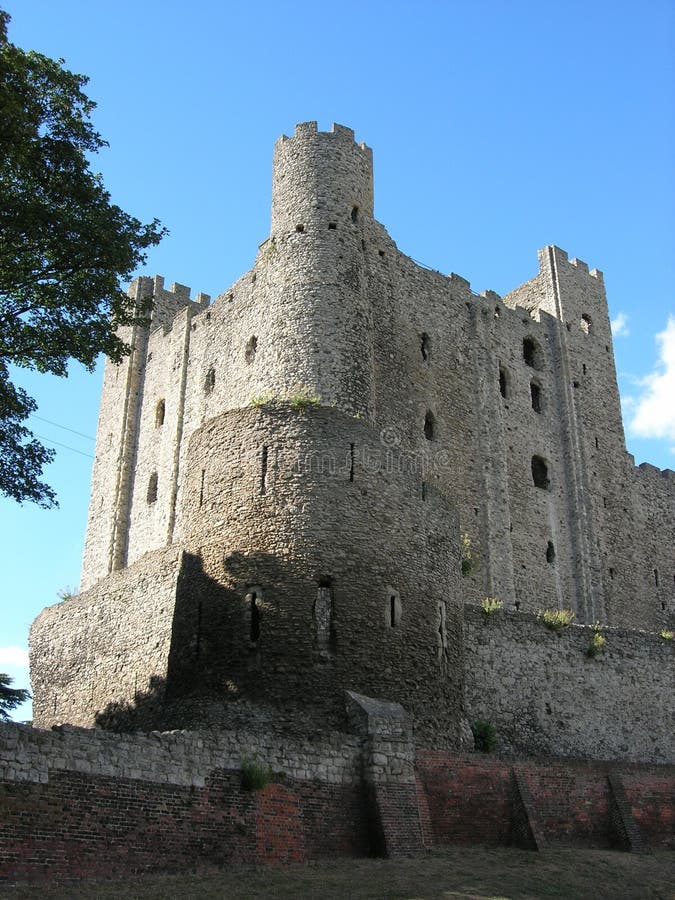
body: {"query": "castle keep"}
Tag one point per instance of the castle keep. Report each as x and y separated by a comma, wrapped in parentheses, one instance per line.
(308, 485)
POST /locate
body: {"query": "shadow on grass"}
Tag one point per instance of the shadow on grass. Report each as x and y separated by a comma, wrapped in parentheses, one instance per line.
(455, 873)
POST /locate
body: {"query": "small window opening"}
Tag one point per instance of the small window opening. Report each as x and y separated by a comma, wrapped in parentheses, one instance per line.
(254, 610)
(663, 605)
(393, 609)
(251, 349)
(535, 395)
(263, 470)
(517, 604)
(597, 444)
(498, 312)
(201, 488)
(586, 323)
(152, 488)
(160, 411)
(531, 353)
(351, 462)
(323, 612)
(575, 384)
(253, 278)
(355, 214)
(424, 491)
(540, 473)
(550, 553)
(210, 381)
(208, 315)
(425, 346)
(381, 252)
(611, 573)
(604, 502)
(503, 382)
(442, 638)
(332, 226)
(656, 577)
(300, 228)
(583, 368)
(429, 426)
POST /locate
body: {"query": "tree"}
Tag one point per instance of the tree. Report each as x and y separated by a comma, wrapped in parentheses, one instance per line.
(10, 697)
(65, 249)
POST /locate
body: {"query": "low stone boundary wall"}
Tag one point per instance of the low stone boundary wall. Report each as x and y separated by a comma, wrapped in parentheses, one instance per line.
(90, 804)
(174, 757)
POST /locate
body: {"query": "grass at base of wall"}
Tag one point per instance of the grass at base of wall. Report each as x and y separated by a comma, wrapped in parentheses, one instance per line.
(455, 873)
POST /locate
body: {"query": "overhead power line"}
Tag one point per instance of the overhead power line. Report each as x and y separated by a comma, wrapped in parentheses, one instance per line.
(64, 427)
(57, 444)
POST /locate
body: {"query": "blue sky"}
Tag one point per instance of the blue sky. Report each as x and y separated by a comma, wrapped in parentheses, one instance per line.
(496, 127)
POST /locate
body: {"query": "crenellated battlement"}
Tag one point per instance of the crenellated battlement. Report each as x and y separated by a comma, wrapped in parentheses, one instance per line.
(306, 130)
(561, 258)
(649, 471)
(459, 281)
(320, 177)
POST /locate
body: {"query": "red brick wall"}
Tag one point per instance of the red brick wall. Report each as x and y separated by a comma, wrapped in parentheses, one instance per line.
(470, 799)
(90, 826)
(652, 797)
(79, 825)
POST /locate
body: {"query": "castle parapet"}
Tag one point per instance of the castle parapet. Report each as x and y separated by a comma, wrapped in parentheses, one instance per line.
(320, 177)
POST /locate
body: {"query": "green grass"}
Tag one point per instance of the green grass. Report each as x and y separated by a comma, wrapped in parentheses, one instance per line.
(456, 873)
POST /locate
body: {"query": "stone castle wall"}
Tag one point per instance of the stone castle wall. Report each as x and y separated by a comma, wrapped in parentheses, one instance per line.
(284, 479)
(107, 645)
(88, 804)
(545, 695)
(267, 577)
(333, 308)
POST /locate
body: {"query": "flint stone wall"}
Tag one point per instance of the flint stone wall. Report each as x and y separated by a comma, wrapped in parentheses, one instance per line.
(545, 695)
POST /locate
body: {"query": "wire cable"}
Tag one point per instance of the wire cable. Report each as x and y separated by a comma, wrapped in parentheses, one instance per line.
(72, 430)
(57, 444)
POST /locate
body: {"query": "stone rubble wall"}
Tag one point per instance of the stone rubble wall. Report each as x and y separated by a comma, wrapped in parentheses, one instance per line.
(105, 646)
(180, 758)
(545, 695)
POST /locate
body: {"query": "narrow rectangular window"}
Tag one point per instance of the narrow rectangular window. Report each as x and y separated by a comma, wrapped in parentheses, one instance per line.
(263, 471)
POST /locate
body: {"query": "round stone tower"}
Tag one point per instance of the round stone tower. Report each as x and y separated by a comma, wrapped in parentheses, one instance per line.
(319, 313)
(319, 178)
(317, 561)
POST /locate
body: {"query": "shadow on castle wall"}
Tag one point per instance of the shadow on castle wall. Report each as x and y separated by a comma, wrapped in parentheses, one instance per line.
(143, 713)
(230, 645)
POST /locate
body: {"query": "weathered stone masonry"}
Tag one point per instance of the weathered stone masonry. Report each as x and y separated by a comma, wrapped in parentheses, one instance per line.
(80, 803)
(283, 479)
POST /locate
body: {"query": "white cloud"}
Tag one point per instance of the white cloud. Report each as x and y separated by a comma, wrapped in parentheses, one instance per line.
(654, 411)
(13, 656)
(619, 325)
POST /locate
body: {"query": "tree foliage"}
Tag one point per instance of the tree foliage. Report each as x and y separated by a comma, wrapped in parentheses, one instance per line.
(65, 249)
(10, 697)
